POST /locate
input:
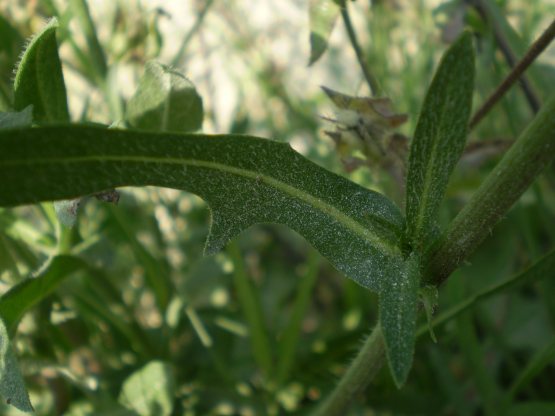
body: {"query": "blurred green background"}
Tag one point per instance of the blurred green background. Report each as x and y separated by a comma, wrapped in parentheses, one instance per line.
(267, 326)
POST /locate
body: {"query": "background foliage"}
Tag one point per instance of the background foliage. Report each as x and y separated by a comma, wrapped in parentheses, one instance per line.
(267, 325)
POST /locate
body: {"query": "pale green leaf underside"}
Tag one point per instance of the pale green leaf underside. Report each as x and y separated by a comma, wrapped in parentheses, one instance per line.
(165, 101)
(16, 119)
(439, 138)
(12, 386)
(245, 180)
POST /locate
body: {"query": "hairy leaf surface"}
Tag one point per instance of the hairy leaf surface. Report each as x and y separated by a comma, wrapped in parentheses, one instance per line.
(439, 138)
(12, 387)
(39, 80)
(245, 180)
(398, 312)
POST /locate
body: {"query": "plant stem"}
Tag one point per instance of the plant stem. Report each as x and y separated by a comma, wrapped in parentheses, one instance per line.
(360, 373)
(523, 162)
(370, 79)
(537, 47)
(484, 9)
(537, 271)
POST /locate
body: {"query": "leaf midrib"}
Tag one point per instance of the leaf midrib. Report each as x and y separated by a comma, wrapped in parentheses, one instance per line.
(353, 225)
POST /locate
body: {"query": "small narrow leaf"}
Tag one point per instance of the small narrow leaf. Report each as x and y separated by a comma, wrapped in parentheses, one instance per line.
(439, 138)
(150, 390)
(322, 15)
(12, 386)
(17, 119)
(24, 295)
(398, 312)
(39, 80)
(245, 180)
(165, 101)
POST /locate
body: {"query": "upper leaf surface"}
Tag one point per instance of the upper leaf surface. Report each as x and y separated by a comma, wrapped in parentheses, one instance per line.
(398, 312)
(165, 101)
(39, 80)
(245, 180)
(439, 138)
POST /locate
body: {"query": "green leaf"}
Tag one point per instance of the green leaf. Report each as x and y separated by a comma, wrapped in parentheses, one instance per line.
(439, 139)
(322, 15)
(17, 119)
(12, 386)
(150, 390)
(39, 80)
(165, 101)
(398, 312)
(24, 295)
(245, 180)
(429, 297)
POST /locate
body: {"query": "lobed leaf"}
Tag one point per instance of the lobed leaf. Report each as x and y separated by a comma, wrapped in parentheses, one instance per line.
(439, 139)
(322, 16)
(39, 80)
(165, 101)
(245, 180)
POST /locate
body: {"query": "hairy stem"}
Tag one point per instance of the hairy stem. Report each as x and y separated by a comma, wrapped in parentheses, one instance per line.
(522, 163)
(535, 50)
(370, 78)
(360, 373)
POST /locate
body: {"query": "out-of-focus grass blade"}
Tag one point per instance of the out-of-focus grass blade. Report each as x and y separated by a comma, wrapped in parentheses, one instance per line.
(292, 332)
(439, 139)
(156, 271)
(249, 299)
(540, 78)
(23, 296)
(539, 362)
(98, 59)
